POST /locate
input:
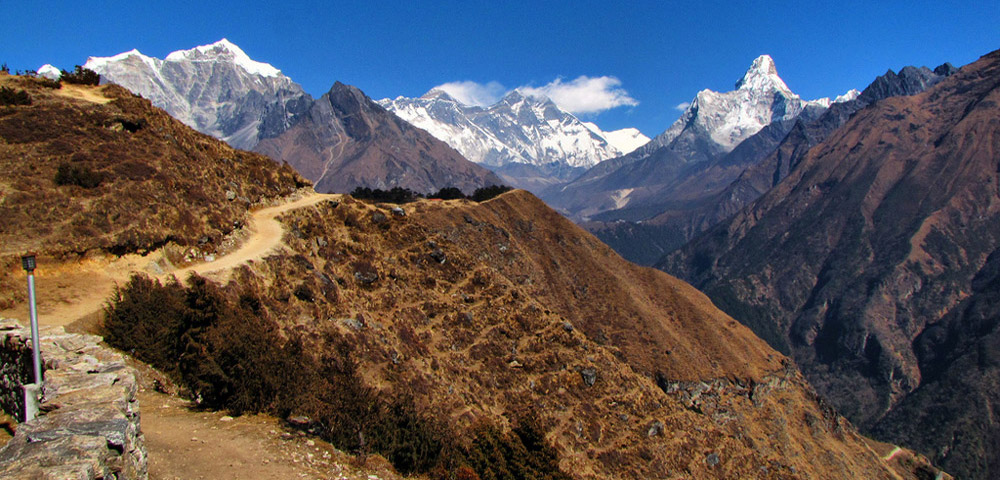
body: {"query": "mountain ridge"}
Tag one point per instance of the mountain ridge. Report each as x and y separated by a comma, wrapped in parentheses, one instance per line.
(861, 262)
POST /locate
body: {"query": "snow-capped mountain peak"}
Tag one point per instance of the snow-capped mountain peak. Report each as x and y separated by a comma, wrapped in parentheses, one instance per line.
(847, 97)
(715, 122)
(519, 128)
(49, 72)
(625, 140)
(216, 88)
(224, 49)
(762, 74)
(99, 64)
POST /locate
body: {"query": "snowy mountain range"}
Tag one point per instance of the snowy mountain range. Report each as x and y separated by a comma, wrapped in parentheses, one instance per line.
(712, 126)
(216, 89)
(519, 128)
(716, 122)
(340, 141)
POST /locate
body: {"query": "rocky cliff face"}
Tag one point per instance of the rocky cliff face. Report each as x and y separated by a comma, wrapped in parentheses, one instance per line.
(345, 140)
(216, 89)
(871, 263)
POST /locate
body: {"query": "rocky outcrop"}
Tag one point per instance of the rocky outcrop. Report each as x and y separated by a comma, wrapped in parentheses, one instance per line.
(88, 427)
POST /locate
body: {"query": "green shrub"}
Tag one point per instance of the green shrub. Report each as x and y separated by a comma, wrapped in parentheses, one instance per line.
(396, 195)
(143, 319)
(81, 76)
(9, 96)
(520, 454)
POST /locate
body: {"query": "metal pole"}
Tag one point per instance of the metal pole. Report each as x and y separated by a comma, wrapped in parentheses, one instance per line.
(35, 351)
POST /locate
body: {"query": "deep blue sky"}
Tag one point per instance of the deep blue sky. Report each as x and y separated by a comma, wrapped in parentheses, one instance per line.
(662, 52)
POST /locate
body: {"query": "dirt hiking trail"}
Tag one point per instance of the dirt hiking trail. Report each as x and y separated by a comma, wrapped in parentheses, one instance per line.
(76, 291)
(182, 442)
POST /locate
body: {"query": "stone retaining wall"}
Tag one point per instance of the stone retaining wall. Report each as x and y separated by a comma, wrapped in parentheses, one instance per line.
(88, 425)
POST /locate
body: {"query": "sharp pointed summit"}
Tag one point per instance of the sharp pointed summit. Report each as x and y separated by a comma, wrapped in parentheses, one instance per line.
(762, 74)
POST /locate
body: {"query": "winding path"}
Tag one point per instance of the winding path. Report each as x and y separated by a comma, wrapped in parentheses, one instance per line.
(76, 291)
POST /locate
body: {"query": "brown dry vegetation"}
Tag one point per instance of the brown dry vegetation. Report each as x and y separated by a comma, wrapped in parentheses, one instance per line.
(495, 311)
(80, 176)
(479, 314)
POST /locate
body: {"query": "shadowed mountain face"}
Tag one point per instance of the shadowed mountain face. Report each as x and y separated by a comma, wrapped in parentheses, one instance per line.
(345, 140)
(872, 263)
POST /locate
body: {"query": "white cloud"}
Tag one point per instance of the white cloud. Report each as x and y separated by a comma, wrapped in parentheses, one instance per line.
(682, 106)
(584, 94)
(472, 93)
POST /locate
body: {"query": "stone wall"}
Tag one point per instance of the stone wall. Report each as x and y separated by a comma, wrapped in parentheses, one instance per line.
(15, 369)
(88, 425)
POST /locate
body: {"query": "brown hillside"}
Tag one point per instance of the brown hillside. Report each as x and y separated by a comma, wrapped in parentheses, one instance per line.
(133, 177)
(493, 311)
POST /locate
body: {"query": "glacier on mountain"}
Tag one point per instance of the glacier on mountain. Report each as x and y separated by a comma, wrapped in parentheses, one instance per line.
(716, 122)
(216, 89)
(521, 129)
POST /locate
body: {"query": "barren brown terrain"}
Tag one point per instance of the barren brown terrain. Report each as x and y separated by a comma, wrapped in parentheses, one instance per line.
(477, 312)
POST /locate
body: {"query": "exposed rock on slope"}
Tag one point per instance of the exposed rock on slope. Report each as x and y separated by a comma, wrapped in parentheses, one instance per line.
(870, 263)
(345, 140)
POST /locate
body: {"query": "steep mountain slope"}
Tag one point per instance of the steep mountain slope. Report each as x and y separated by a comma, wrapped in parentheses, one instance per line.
(713, 125)
(104, 171)
(491, 312)
(528, 133)
(345, 140)
(869, 258)
(216, 89)
(711, 192)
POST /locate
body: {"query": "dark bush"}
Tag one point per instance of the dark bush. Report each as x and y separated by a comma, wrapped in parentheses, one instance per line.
(144, 319)
(448, 193)
(396, 195)
(486, 193)
(68, 174)
(81, 76)
(521, 454)
(227, 351)
(9, 96)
